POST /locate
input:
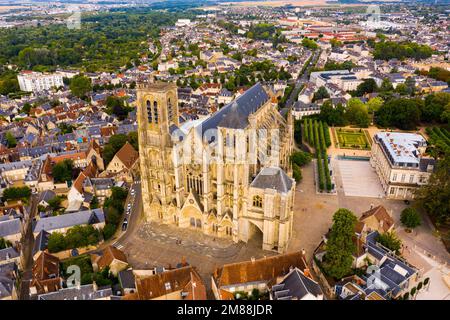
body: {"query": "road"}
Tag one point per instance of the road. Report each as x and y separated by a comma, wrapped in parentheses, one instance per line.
(135, 216)
(302, 79)
(26, 252)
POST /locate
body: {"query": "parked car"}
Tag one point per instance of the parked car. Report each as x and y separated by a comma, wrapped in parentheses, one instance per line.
(124, 224)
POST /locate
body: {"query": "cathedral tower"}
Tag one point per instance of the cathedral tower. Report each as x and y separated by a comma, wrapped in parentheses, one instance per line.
(157, 115)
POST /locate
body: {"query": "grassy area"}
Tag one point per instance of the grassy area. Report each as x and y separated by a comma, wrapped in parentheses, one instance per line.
(352, 139)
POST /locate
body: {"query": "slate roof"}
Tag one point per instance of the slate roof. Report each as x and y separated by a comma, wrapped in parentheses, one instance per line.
(70, 220)
(127, 279)
(85, 292)
(273, 178)
(295, 286)
(8, 253)
(9, 227)
(41, 241)
(235, 114)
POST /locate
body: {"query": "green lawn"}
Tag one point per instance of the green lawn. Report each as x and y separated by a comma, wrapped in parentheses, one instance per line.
(352, 139)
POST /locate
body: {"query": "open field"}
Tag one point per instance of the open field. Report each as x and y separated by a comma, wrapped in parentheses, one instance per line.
(351, 139)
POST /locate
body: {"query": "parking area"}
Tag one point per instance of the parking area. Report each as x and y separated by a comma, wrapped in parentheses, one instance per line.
(358, 178)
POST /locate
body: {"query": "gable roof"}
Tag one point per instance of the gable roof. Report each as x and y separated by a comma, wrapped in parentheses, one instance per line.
(380, 213)
(166, 282)
(127, 155)
(110, 254)
(296, 285)
(265, 269)
(69, 220)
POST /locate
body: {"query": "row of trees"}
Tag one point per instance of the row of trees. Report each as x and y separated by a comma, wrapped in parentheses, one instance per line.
(317, 135)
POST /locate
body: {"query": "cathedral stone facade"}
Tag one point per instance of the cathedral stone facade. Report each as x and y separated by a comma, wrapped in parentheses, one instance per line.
(226, 175)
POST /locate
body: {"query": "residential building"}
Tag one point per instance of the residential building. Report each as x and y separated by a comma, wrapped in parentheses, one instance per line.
(178, 284)
(296, 286)
(259, 274)
(36, 81)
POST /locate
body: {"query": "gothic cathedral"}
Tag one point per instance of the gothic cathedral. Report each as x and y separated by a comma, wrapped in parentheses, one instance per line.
(226, 175)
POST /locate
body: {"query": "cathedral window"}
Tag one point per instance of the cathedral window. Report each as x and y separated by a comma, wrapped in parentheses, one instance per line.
(169, 108)
(257, 201)
(229, 231)
(149, 111)
(155, 111)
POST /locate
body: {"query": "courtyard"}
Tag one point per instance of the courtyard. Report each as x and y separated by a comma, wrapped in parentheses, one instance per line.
(358, 178)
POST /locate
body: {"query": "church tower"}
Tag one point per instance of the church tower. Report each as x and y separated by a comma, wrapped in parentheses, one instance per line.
(157, 113)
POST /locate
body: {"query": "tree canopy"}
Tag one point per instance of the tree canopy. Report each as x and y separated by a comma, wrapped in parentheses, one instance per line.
(338, 258)
(62, 171)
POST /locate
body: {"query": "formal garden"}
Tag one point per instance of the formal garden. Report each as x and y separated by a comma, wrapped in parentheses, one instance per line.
(351, 138)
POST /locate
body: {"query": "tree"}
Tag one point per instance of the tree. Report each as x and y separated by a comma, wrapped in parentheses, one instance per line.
(338, 258)
(374, 104)
(310, 44)
(435, 105)
(357, 113)
(386, 85)
(301, 158)
(55, 203)
(390, 241)
(94, 203)
(410, 218)
(433, 197)
(80, 86)
(116, 106)
(4, 244)
(16, 193)
(62, 171)
(401, 113)
(367, 86)
(320, 94)
(114, 144)
(56, 242)
(332, 116)
(10, 140)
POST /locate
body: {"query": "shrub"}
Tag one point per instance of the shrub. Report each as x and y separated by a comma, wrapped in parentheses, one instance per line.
(300, 158)
(410, 218)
